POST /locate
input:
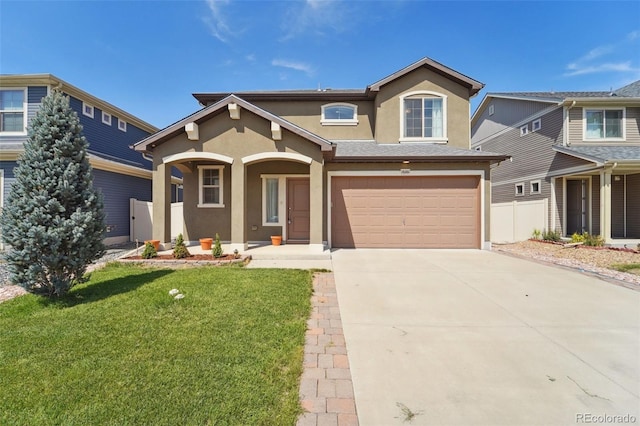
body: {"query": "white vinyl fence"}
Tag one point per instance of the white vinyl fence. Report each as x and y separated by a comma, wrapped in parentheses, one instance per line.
(515, 221)
(141, 219)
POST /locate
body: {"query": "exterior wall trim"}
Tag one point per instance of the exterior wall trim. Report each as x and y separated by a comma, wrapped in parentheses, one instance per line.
(484, 244)
(266, 156)
(282, 188)
(197, 156)
(112, 166)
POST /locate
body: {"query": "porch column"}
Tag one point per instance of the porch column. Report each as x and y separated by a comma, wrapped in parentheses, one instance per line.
(315, 206)
(605, 205)
(238, 210)
(161, 190)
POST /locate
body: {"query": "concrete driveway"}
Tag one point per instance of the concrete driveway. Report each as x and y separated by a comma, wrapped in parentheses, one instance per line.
(475, 337)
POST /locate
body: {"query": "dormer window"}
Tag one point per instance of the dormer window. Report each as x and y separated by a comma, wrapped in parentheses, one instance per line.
(424, 117)
(339, 115)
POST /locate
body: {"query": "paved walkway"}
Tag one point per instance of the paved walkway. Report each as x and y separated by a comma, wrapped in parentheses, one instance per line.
(326, 389)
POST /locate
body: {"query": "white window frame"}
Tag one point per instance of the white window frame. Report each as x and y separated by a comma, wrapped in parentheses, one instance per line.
(339, 122)
(604, 139)
(122, 125)
(24, 110)
(424, 94)
(524, 130)
(106, 118)
(491, 109)
(535, 182)
(201, 204)
(536, 125)
(88, 109)
(521, 185)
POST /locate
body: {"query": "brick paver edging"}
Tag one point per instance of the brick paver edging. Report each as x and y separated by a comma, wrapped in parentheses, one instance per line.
(326, 389)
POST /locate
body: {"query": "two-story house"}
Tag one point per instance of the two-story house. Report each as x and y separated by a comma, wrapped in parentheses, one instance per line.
(119, 172)
(384, 166)
(577, 152)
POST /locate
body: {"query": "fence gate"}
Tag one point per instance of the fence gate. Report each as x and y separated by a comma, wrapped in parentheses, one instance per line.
(515, 221)
(141, 219)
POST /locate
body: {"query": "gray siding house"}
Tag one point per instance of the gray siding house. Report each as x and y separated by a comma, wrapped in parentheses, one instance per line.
(577, 151)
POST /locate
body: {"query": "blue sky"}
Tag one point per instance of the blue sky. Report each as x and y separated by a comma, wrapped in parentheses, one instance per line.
(147, 57)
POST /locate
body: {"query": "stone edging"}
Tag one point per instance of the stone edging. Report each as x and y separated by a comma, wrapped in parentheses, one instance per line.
(244, 259)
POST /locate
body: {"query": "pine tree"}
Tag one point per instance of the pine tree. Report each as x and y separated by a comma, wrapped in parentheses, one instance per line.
(53, 220)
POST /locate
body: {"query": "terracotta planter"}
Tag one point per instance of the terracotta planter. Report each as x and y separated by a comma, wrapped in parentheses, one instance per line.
(156, 243)
(205, 243)
(276, 240)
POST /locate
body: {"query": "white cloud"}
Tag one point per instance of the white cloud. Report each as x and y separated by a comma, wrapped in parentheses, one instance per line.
(633, 35)
(297, 66)
(617, 61)
(216, 21)
(250, 57)
(577, 69)
(318, 17)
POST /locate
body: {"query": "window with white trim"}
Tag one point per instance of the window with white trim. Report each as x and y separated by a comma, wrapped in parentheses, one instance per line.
(122, 125)
(210, 187)
(524, 130)
(339, 114)
(604, 123)
(519, 189)
(491, 109)
(87, 109)
(12, 110)
(106, 118)
(534, 187)
(424, 117)
(271, 197)
(536, 125)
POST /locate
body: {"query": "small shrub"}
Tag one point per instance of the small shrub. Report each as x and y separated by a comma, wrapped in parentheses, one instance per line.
(180, 250)
(217, 248)
(593, 240)
(578, 238)
(149, 251)
(551, 236)
(537, 234)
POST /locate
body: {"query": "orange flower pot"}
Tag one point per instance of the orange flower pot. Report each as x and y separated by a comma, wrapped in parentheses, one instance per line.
(276, 240)
(205, 243)
(156, 243)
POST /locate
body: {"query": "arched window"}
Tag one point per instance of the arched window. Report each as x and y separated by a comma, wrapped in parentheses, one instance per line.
(339, 114)
(424, 117)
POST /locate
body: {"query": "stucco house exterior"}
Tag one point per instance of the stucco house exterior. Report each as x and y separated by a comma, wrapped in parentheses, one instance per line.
(119, 172)
(578, 152)
(384, 166)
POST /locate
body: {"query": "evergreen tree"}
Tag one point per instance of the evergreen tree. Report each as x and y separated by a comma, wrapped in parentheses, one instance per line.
(53, 221)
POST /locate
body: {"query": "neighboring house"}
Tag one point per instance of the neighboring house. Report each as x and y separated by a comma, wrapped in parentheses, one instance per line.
(119, 172)
(577, 152)
(384, 166)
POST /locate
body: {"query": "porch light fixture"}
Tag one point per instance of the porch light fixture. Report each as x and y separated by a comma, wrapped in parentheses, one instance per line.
(276, 132)
(192, 131)
(234, 111)
(405, 162)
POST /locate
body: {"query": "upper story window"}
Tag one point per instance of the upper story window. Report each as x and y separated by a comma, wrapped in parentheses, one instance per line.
(12, 117)
(603, 124)
(524, 130)
(424, 117)
(87, 109)
(339, 114)
(122, 125)
(536, 125)
(210, 186)
(106, 118)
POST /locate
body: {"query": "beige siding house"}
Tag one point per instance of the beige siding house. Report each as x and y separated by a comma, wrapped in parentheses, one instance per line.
(385, 166)
(577, 151)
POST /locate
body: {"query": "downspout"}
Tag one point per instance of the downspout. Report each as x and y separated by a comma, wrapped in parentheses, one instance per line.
(565, 133)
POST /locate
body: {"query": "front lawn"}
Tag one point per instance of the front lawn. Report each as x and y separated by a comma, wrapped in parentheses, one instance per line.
(120, 350)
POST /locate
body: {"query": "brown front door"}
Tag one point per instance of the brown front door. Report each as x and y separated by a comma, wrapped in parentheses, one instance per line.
(298, 198)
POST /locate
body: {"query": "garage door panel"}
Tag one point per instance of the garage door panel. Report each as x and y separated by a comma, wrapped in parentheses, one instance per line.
(412, 212)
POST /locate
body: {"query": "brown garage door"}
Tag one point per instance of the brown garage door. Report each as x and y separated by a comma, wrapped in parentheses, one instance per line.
(405, 212)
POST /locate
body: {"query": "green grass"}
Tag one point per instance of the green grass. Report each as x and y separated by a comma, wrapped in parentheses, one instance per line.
(120, 350)
(632, 268)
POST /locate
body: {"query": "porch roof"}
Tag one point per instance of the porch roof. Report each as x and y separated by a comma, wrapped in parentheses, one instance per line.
(424, 152)
(603, 154)
(147, 144)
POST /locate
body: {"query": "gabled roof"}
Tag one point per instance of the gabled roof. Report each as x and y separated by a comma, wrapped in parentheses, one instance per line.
(345, 95)
(372, 151)
(602, 154)
(474, 86)
(204, 114)
(7, 80)
(630, 90)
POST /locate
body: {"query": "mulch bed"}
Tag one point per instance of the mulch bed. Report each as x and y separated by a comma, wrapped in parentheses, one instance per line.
(193, 257)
